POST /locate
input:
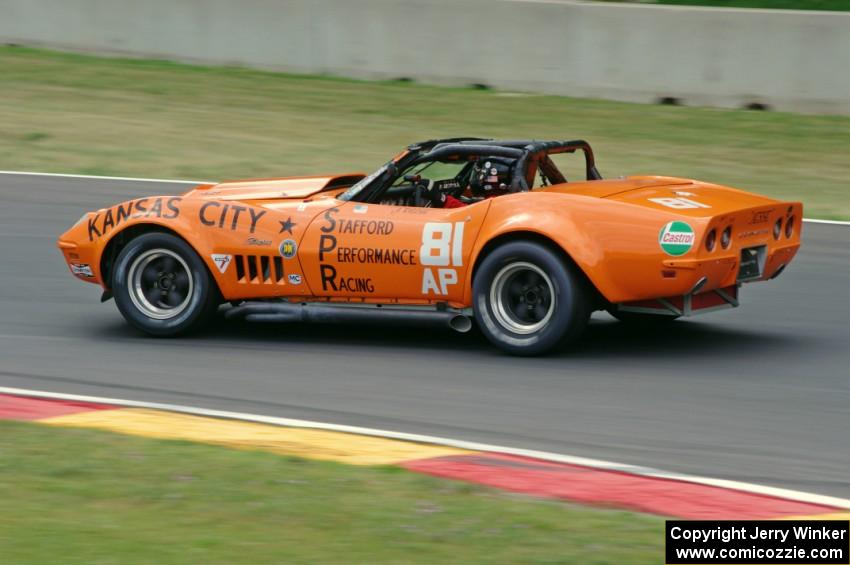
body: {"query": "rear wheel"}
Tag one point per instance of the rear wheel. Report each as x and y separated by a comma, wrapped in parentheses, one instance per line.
(527, 300)
(162, 287)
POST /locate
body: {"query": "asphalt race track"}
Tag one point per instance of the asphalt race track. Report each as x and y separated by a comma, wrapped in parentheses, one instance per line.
(758, 394)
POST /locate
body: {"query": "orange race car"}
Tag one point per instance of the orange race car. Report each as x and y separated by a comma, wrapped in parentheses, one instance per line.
(446, 232)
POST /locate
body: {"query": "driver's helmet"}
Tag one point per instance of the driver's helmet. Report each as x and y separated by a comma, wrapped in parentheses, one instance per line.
(491, 175)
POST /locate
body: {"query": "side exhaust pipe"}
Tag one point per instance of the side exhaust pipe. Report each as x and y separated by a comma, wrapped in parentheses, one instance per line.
(335, 313)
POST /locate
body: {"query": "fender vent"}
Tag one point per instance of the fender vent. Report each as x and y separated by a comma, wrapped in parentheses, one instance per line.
(259, 269)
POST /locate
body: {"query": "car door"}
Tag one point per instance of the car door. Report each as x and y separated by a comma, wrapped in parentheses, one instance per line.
(383, 252)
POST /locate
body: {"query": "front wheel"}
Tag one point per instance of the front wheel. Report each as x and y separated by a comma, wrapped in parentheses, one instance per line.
(162, 287)
(527, 300)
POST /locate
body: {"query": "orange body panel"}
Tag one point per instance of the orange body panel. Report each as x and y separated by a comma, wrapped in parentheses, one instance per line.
(291, 238)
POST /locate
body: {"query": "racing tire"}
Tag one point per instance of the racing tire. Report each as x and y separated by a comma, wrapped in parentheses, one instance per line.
(162, 287)
(642, 320)
(528, 301)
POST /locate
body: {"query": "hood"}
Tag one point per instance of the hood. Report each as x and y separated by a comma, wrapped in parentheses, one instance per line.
(298, 188)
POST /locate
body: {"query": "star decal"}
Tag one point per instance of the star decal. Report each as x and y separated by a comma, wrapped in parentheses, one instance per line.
(286, 226)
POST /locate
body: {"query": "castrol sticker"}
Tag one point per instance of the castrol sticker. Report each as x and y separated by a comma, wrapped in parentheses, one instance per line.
(676, 238)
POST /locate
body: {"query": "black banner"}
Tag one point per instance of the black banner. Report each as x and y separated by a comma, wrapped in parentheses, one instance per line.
(759, 542)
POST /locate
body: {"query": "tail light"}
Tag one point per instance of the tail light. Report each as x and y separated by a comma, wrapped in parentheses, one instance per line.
(789, 227)
(711, 240)
(777, 229)
(726, 238)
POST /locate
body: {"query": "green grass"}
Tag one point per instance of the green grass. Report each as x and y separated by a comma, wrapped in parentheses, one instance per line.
(834, 5)
(79, 114)
(84, 496)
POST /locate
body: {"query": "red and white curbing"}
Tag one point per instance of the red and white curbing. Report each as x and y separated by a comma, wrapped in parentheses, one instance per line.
(546, 474)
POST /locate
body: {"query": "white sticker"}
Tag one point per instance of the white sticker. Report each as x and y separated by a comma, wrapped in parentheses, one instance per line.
(679, 203)
(438, 284)
(222, 262)
(301, 207)
(294, 279)
(442, 246)
(360, 209)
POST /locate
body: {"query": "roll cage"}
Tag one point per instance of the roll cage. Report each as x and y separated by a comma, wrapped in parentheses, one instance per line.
(531, 157)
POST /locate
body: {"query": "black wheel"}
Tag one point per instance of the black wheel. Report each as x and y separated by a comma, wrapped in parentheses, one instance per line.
(645, 320)
(162, 287)
(527, 300)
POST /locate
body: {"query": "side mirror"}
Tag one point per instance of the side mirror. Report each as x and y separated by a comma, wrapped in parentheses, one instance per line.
(412, 178)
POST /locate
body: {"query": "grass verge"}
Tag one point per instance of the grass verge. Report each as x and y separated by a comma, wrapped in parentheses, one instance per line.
(85, 496)
(80, 114)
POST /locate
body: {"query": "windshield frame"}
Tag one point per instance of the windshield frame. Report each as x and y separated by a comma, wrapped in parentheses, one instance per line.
(363, 183)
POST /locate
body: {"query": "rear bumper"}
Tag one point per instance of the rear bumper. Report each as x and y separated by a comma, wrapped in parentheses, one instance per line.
(713, 283)
(722, 270)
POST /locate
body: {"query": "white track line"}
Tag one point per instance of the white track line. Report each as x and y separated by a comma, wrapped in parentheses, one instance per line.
(831, 222)
(95, 177)
(462, 444)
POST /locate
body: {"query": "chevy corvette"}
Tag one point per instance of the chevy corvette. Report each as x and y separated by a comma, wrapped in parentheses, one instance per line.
(449, 232)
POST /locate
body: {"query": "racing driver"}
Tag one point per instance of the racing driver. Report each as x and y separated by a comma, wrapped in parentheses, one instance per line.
(490, 177)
